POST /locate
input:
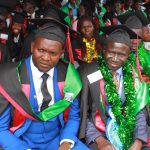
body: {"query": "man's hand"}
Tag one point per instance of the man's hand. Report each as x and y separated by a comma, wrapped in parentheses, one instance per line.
(65, 146)
(104, 144)
(137, 145)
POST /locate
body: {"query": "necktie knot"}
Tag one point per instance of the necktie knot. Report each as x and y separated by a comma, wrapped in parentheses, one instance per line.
(114, 74)
(45, 76)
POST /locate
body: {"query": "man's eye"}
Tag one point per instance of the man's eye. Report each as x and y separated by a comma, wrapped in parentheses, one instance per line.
(40, 50)
(53, 54)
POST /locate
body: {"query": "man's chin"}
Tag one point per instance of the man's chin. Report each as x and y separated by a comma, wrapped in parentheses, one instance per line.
(113, 68)
(43, 69)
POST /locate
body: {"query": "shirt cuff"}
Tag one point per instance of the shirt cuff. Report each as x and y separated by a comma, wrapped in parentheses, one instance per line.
(68, 140)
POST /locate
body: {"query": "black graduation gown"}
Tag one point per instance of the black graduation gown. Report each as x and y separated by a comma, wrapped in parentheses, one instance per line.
(10, 82)
(4, 53)
(88, 102)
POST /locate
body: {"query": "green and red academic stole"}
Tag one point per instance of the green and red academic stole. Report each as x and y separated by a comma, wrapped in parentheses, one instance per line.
(72, 88)
(67, 18)
(144, 58)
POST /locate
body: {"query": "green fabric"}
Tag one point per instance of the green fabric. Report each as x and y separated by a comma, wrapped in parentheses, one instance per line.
(73, 85)
(78, 3)
(102, 24)
(101, 104)
(66, 19)
(149, 93)
(141, 94)
(100, 17)
(144, 58)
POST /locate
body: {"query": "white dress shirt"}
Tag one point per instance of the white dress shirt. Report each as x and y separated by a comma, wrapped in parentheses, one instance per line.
(37, 80)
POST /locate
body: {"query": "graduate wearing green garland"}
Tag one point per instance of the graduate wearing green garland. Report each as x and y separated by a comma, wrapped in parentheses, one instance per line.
(112, 111)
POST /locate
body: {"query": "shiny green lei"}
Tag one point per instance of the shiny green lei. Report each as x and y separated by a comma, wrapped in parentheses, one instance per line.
(125, 116)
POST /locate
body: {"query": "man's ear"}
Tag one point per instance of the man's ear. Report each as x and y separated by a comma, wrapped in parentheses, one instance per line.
(32, 46)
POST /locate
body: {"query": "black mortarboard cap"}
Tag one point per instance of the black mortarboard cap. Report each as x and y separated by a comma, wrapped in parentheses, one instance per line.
(30, 1)
(54, 30)
(3, 11)
(119, 33)
(136, 22)
(40, 22)
(137, 1)
(9, 4)
(18, 17)
(133, 22)
(147, 5)
(54, 12)
(119, 36)
(109, 29)
(119, 1)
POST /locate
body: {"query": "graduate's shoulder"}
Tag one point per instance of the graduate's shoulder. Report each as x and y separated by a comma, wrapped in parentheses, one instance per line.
(62, 64)
(62, 69)
(87, 68)
(6, 69)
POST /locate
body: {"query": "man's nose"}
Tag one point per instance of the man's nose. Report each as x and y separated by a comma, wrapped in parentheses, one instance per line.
(47, 57)
(115, 57)
(87, 29)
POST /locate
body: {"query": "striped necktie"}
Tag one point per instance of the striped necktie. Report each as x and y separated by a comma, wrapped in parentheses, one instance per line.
(46, 95)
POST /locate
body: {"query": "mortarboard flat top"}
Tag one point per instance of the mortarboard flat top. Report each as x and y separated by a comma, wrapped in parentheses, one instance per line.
(9, 4)
(119, 36)
(18, 17)
(52, 27)
(40, 22)
(54, 12)
(138, 13)
(30, 1)
(3, 11)
(147, 5)
(108, 30)
(119, 1)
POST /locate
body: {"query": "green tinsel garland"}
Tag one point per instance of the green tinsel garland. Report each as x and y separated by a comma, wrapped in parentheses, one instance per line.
(127, 121)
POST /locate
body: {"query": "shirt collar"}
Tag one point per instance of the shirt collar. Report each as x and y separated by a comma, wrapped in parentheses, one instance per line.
(119, 71)
(38, 73)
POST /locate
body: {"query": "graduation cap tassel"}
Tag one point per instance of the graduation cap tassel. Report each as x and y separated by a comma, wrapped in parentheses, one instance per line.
(69, 47)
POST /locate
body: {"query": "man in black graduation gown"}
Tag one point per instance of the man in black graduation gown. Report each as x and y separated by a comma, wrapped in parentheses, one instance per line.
(103, 83)
(32, 99)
